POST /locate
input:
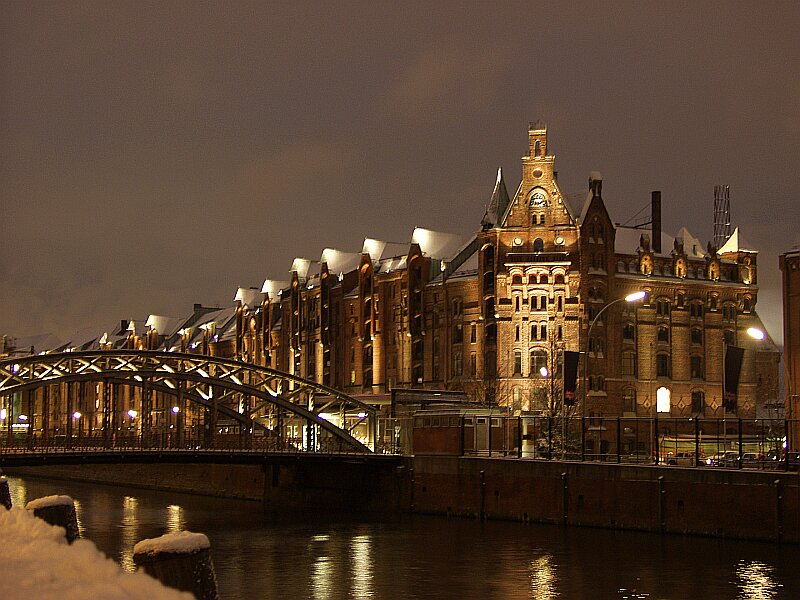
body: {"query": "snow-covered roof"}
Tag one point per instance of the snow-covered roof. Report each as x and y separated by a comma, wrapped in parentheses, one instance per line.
(627, 240)
(735, 243)
(397, 263)
(300, 265)
(691, 245)
(340, 262)
(379, 250)
(40, 343)
(271, 288)
(249, 297)
(437, 245)
(165, 325)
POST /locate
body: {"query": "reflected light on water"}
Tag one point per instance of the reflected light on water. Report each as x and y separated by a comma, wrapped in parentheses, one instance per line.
(363, 567)
(18, 491)
(78, 512)
(756, 581)
(175, 520)
(129, 532)
(321, 579)
(544, 582)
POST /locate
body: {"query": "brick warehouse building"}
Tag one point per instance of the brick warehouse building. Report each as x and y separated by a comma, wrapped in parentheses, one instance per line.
(492, 314)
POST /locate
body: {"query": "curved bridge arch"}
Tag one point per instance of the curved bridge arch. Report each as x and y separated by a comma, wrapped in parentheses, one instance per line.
(242, 393)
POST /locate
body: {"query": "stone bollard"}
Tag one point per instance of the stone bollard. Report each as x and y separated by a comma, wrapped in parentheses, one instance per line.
(57, 510)
(181, 560)
(5, 494)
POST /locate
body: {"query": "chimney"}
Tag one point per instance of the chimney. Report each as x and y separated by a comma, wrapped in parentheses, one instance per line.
(655, 208)
(596, 184)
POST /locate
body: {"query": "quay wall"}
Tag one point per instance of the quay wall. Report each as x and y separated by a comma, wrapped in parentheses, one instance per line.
(756, 505)
(746, 504)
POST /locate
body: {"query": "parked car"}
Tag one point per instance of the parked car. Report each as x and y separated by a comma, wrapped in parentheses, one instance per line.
(685, 459)
(728, 459)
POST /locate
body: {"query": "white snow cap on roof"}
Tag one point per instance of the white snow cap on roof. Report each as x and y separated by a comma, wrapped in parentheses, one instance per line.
(300, 265)
(379, 250)
(436, 244)
(39, 343)
(272, 287)
(340, 262)
(691, 245)
(249, 297)
(735, 244)
(164, 325)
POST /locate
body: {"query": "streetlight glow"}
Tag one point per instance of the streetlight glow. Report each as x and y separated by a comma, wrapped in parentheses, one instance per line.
(176, 410)
(544, 372)
(635, 296)
(756, 333)
(76, 415)
(132, 414)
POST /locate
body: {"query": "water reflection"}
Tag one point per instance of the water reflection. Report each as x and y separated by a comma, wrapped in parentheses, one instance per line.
(129, 532)
(543, 578)
(175, 520)
(327, 557)
(755, 581)
(361, 547)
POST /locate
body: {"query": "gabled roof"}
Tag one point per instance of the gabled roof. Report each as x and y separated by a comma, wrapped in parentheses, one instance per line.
(437, 245)
(627, 239)
(165, 325)
(272, 287)
(340, 262)
(691, 245)
(249, 297)
(301, 265)
(735, 243)
(379, 250)
(39, 343)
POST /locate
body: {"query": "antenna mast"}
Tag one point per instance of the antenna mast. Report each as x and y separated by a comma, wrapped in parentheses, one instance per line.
(722, 215)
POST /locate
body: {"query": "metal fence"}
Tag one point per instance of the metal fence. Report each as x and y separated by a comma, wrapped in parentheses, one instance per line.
(696, 442)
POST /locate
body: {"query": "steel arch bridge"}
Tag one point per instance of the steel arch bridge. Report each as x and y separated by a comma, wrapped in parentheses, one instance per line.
(151, 399)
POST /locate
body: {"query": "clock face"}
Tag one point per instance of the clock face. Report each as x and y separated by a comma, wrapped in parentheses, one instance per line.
(538, 198)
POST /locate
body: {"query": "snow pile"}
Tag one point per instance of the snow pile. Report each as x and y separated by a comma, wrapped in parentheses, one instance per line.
(36, 562)
(180, 542)
(49, 501)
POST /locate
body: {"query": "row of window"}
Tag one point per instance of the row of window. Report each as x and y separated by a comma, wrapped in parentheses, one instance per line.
(517, 279)
(663, 365)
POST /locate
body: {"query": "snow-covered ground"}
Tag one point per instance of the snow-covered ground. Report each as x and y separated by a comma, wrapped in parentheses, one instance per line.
(36, 562)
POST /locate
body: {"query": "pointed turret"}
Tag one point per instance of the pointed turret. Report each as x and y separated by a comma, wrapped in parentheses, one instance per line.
(497, 203)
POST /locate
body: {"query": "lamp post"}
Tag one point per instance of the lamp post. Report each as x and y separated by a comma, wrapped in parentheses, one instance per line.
(633, 297)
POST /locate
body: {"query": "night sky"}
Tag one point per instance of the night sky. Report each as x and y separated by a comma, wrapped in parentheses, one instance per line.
(156, 155)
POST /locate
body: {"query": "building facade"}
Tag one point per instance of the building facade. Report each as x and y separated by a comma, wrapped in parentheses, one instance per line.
(493, 313)
(789, 263)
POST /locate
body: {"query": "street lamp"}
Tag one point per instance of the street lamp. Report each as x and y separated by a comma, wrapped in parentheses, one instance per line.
(634, 297)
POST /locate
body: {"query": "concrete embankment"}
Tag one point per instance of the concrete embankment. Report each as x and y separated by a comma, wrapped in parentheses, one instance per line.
(748, 504)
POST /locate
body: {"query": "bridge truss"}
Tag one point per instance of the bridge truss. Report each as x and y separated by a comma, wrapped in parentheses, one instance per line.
(151, 399)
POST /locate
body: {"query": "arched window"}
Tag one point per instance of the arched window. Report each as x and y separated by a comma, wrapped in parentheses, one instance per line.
(559, 279)
(543, 303)
(516, 280)
(543, 330)
(516, 303)
(697, 336)
(531, 279)
(543, 278)
(663, 334)
(538, 361)
(538, 245)
(537, 150)
(534, 331)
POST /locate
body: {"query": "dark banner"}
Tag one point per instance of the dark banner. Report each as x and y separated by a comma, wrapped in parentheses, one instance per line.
(571, 360)
(733, 367)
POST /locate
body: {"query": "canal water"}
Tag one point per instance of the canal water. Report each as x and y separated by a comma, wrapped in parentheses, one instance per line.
(322, 556)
